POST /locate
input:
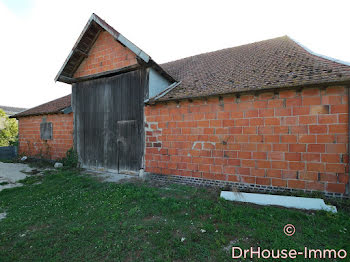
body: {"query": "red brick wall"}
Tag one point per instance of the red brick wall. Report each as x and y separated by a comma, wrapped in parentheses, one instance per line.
(30, 143)
(106, 54)
(295, 139)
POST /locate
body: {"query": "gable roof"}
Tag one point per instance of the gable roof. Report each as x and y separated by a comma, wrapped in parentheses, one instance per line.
(275, 63)
(86, 40)
(52, 107)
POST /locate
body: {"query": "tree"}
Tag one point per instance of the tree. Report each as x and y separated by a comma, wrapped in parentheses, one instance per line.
(8, 130)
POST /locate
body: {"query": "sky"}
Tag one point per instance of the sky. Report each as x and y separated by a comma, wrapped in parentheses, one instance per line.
(37, 35)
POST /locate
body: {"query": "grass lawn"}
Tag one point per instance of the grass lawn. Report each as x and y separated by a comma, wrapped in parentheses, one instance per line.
(72, 217)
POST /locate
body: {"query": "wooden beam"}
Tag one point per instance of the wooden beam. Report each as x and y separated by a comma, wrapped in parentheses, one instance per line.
(65, 79)
(85, 55)
(105, 74)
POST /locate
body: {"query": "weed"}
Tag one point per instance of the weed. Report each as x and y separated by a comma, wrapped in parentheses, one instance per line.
(71, 159)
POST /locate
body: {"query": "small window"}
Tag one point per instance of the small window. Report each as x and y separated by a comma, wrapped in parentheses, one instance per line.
(46, 130)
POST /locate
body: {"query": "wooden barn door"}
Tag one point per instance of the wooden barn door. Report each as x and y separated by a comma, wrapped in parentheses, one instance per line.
(127, 145)
(109, 122)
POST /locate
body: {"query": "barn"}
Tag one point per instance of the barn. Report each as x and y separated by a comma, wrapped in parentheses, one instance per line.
(267, 116)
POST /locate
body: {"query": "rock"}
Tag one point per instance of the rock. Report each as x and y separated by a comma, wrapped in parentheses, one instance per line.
(24, 158)
(142, 173)
(58, 165)
(2, 215)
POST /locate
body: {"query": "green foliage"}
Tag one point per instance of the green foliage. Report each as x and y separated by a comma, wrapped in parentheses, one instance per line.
(9, 133)
(71, 159)
(14, 142)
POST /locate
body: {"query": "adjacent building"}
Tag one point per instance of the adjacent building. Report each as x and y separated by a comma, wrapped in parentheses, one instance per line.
(46, 131)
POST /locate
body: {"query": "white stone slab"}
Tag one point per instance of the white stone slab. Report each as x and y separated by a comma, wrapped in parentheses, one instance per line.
(276, 200)
(2, 215)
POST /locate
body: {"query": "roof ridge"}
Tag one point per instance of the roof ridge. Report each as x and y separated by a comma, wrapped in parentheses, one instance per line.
(273, 63)
(210, 52)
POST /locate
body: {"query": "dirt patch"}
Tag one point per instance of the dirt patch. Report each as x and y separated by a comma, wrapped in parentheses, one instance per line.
(111, 176)
(12, 173)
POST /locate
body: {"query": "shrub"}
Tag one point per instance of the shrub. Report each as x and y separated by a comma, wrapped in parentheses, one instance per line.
(9, 132)
(71, 159)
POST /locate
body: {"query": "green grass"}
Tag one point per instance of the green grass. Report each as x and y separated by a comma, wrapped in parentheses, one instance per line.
(72, 217)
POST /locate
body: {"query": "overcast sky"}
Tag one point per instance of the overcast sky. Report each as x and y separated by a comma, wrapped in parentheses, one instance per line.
(37, 35)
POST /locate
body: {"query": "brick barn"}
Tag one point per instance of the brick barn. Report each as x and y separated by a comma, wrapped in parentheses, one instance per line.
(46, 131)
(266, 116)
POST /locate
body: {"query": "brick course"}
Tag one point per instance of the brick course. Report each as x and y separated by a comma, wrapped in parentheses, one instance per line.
(243, 187)
(30, 143)
(106, 54)
(291, 138)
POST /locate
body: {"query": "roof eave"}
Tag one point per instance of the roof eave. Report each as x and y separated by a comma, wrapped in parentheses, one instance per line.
(116, 35)
(66, 110)
(345, 82)
(74, 47)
